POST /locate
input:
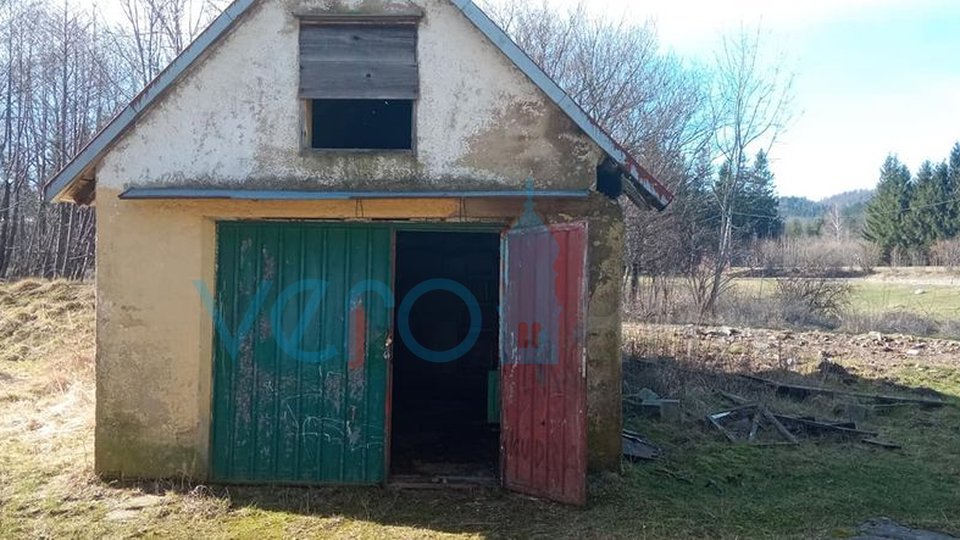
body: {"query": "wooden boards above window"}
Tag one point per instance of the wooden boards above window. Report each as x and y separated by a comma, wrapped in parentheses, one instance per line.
(358, 61)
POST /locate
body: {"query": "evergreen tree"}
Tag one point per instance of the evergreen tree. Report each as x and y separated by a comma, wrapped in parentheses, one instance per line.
(696, 211)
(795, 229)
(922, 224)
(953, 191)
(886, 213)
(946, 207)
(762, 198)
(756, 206)
(954, 162)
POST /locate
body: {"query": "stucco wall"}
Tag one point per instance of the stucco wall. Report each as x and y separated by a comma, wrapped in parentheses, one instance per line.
(154, 336)
(235, 119)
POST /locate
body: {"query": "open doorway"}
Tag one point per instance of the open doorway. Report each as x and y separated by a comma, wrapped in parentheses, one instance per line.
(446, 412)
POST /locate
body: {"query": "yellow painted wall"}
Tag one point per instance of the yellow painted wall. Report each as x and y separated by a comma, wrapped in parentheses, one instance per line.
(154, 336)
(233, 121)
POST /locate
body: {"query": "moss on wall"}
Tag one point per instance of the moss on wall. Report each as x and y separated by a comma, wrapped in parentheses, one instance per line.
(154, 356)
(604, 367)
(126, 448)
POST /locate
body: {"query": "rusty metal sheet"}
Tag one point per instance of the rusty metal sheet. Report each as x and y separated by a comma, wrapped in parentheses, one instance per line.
(543, 372)
(300, 380)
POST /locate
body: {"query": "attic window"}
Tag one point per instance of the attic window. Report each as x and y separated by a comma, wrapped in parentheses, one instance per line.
(359, 83)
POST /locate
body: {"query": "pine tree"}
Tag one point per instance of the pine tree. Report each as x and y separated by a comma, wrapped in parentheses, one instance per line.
(886, 213)
(954, 160)
(922, 224)
(946, 208)
(953, 192)
(756, 206)
(762, 198)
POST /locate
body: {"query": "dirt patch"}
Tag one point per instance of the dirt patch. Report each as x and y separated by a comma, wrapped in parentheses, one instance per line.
(761, 350)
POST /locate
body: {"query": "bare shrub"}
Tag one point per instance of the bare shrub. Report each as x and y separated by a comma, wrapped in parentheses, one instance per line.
(950, 329)
(816, 301)
(835, 258)
(676, 301)
(748, 310)
(946, 253)
(899, 322)
(707, 287)
(657, 299)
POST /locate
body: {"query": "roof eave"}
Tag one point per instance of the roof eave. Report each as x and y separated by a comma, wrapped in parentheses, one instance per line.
(62, 186)
(649, 189)
(58, 188)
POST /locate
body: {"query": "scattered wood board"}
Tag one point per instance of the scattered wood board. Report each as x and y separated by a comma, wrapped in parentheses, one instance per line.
(637, 447)
(804, 391)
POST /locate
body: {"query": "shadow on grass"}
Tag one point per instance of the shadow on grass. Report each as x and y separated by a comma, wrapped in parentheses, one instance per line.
(826, 484)
(703, 487)
(795, 271)
(379, 511)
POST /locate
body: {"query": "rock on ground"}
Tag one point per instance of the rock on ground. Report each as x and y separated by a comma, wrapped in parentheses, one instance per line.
(887, 529)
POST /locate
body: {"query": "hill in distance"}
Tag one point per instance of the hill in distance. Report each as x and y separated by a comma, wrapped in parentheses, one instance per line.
(804, 208)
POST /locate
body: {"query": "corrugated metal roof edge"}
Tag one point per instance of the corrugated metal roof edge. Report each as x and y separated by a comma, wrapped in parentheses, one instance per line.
(647, 188)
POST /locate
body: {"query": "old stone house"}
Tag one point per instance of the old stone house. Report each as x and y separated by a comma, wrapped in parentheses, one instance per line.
(353, 241)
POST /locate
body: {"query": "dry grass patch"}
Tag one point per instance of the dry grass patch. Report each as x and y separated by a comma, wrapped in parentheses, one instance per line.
(703, 487)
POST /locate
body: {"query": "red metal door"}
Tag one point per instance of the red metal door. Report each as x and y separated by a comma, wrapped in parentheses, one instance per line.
(543, 362)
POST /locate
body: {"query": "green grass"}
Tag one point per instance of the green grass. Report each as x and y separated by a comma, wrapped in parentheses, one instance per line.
(703, 487)
(874, 297)
(814, 490)
(937, 301)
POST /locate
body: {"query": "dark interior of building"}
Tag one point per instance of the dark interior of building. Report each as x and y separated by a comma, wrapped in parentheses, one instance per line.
(362, 124)
(446, 412)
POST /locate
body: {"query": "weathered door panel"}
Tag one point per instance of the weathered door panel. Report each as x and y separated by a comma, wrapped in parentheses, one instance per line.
(543, 372)
(300, 369)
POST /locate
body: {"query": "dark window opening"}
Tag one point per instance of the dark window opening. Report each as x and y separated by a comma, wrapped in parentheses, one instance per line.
(362, 124)
(446, 415)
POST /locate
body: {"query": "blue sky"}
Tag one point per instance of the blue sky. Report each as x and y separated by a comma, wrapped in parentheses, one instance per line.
(871, 77)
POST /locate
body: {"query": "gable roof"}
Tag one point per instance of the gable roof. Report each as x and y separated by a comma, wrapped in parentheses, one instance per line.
(76, 179)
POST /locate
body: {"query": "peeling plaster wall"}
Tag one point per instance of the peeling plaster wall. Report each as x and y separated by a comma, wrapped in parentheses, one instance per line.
(235, 119)
(154, 336)
(235, 122)
(604, 328)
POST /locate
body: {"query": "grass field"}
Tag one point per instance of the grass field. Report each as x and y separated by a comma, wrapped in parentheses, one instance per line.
(702, 487)
(932, 301)
(871, 296)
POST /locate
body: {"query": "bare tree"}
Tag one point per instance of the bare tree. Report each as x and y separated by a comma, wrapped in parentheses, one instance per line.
(63, 74)
(656, 105)
(156, 31)
(835, 222)
(751, 107)
(59, 97)
(648, 100)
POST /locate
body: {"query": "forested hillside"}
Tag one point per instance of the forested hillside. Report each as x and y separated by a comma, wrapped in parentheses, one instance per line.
(837, 216)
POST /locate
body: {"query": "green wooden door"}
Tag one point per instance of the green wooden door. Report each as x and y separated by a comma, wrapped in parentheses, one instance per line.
(303, 322)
